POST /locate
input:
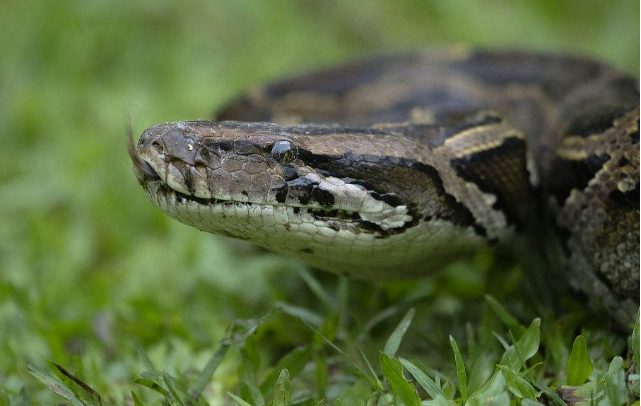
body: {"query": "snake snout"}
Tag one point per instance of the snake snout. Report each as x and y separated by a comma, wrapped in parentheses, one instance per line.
(143, 169)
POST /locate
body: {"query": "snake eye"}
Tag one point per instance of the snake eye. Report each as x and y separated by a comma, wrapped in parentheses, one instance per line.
(284, 152)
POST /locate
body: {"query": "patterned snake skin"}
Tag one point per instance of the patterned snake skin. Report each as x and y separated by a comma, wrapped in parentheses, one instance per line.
(396, 166)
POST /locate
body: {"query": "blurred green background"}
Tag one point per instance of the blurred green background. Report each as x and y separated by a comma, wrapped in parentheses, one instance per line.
(86, 262)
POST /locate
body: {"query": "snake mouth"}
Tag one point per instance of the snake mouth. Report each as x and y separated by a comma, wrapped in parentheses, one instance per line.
(154, 186)
(142, 169)
(172, 201)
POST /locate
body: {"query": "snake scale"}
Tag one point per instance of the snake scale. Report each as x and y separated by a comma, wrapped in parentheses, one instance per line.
(395, 166)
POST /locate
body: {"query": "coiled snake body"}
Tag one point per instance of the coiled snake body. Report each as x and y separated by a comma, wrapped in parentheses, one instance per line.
(393, 167)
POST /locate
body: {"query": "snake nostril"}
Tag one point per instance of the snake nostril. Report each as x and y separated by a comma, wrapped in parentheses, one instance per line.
(158, 147)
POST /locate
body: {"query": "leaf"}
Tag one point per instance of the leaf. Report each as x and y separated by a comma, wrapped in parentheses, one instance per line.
(230, 338)
(394, 341)
(238, 400)
(342, 297)
(294, 362)
(4, 399)
(146, 360)
(461, 374)
(517, 385)
(492, 388)
(635, 343)
(94, 395)
(373, 381)
(358, 392)
(393, 372)
(501, 399)
(320, 373)
(507, 319)
(316, 287)
(282, 389)
(22, 399)
(481, 372)
(137, 400)
(171, 385)
(525, 348)
(153, 385)
(441, 401)
(369, 366)
(56, 386)
(614, 379)
(300, 313)
(425, 381)
(579, 365)
(530, 402)
(528, 344)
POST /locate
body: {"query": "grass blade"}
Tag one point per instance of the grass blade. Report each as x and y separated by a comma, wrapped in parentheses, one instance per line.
(146, 360)
(316, 287)
(579, 366)
(282, 389)
(238, 400)
(56, 386)
(517, 385)
(510, 321)
(94, 395)
(369, 365)
(461, 374)
(492, 388)
(294, 362)
(425, 381)
(171, 385)
(374, 382)
(208, 371)
(394, 342)
(300, 313)
(213, 363)
(153, 385)
(635, 343)
(137, 400)
(393, 372)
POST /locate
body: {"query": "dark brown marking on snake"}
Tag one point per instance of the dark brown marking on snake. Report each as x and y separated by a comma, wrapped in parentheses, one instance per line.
(573, 174)
(500, 171)
(338, 165)
(462, 216)
(457, 213)
(281, 193)
(307, 191)
(595, 119)
(626, 200)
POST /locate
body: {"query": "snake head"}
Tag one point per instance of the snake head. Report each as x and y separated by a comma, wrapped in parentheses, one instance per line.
(316, 192)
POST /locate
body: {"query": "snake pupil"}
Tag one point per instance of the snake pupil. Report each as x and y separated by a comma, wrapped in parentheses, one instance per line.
(284, 152)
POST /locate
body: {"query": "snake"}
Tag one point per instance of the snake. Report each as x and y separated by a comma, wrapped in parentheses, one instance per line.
(397, 165)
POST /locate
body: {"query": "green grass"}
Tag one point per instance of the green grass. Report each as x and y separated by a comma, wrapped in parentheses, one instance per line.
(92, 276)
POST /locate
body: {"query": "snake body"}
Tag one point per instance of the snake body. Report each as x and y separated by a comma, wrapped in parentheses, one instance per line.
(396, 166)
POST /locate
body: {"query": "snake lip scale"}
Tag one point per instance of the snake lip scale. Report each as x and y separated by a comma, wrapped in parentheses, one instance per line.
(395, 166)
